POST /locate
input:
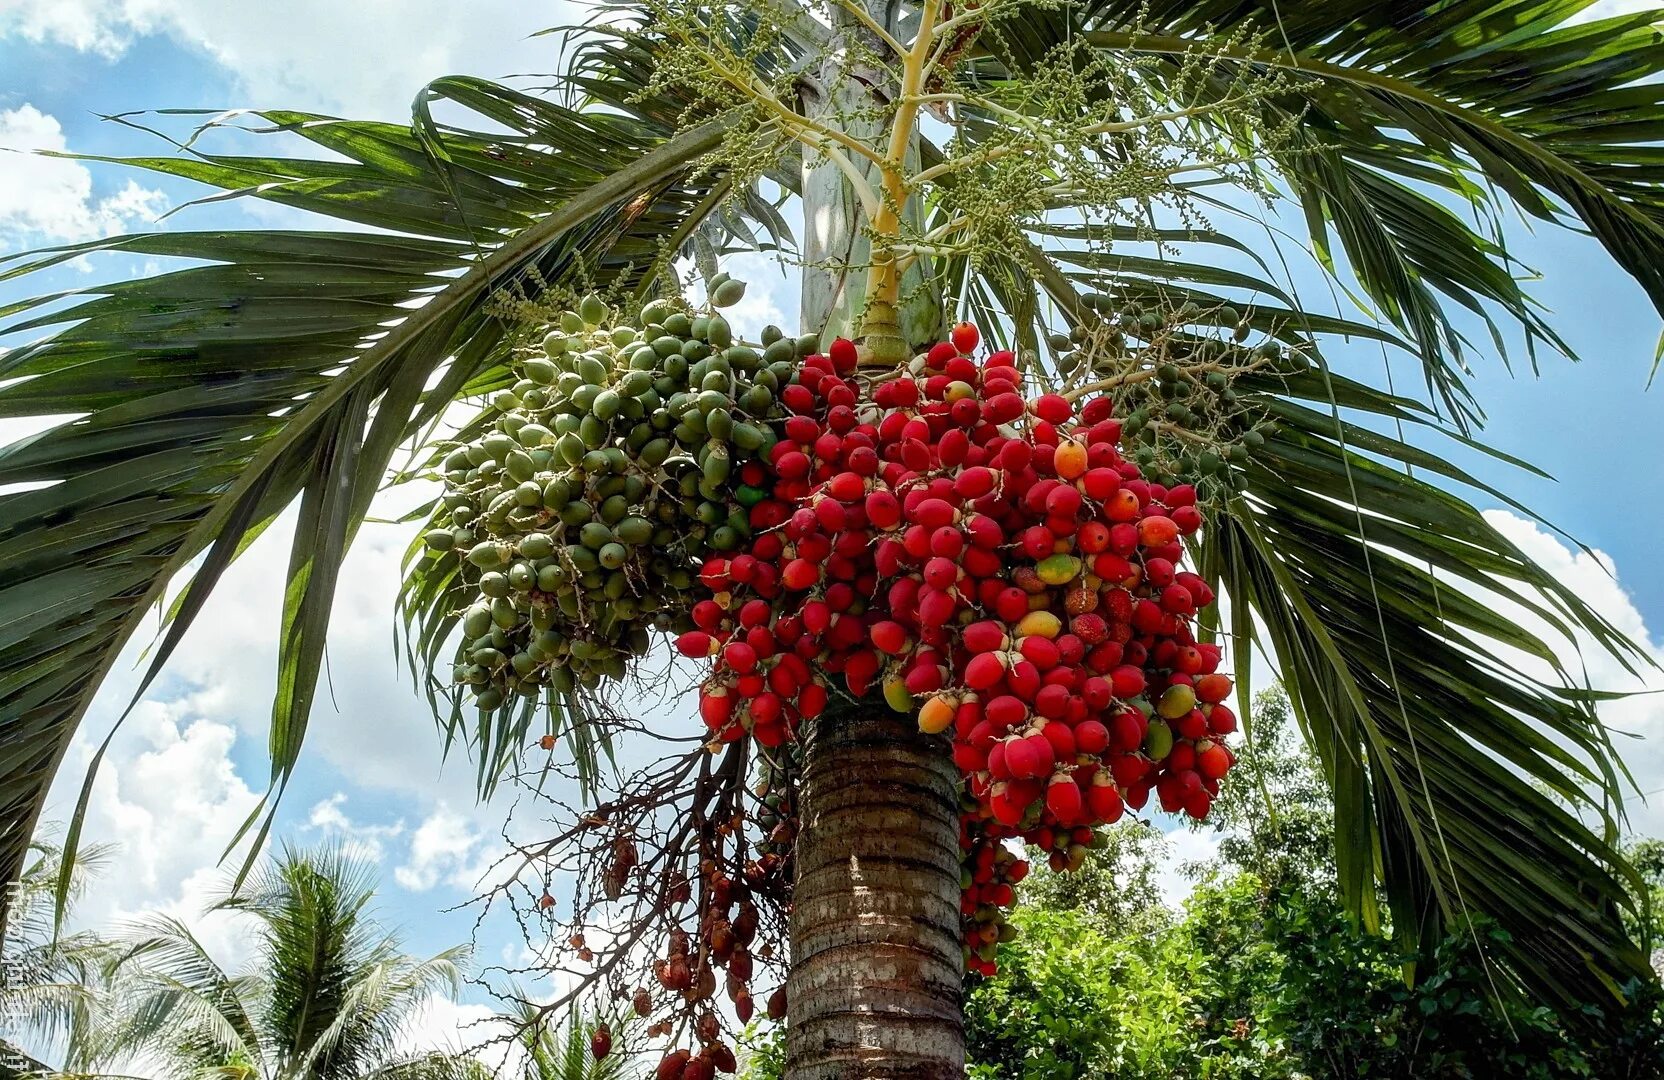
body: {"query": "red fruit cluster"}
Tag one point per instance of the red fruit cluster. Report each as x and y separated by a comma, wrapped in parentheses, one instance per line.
(995, 560)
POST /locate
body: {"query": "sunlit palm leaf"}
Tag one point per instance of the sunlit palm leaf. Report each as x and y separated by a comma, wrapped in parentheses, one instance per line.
(220, 393)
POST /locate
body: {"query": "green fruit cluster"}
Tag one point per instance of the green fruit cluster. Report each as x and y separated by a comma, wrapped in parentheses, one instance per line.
(775, 790)
(1186, 419)
(601, 478)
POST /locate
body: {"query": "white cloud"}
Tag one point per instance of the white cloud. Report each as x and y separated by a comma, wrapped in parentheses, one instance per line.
(444, 848)
(360, 840)
(170, 800)
(1636, 722)
(52, 199)
(366, 58)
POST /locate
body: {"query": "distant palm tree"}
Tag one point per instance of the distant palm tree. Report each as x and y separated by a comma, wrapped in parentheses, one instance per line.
(326, 999)
(50, 984)
(555, 1053)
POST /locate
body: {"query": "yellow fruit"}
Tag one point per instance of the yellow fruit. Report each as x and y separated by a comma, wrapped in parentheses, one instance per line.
(1040, 623)
(936, 715)
(1176, 702)
(1059, 569)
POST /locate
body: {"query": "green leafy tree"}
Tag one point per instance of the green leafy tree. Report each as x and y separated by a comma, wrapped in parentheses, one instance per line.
(1070, 173)
(327, 997)
(51, 984)
(550, 1051)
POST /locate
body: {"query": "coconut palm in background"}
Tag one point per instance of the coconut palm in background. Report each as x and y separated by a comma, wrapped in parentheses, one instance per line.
(275, 368)
(327, 996)
(51, 984)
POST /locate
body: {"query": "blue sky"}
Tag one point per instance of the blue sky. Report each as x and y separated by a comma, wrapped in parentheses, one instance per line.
(191, 763)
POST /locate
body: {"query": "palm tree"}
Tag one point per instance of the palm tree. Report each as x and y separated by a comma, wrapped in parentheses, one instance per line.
(276, 367)
(51, 984)
(327, 998)
(549, 1052)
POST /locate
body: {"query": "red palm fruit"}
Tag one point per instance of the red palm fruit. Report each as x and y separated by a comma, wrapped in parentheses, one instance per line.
(600, 1042)
(982, 564)
(964, 337)
(984, 532)
(859, 670)
(828, 447)
(998, 768)
(1092, 538)
(1064, 800)
(846, 486)
(798, 398)
(966, 412)
(889, 637)
(1023, 679)
(1129, 770)
(697, 644)
(749, 686)
(800, 574)
(1062, 738)
(1091, 737)
(1004, 408)
(829, 513)
(699, 1068)
(1214, 761)
(863, 460)
(1127, 681)
(1198, 803)
(1187, 660)
(816, 615)
(1039, 651)
(1147, 617)
(1012, 604)
(1103, 800)
(924, 677)
(811, 701)
(1043, 449)
(1071, 650)
(954, 447)
(766, 707)
(933, 513)
(1053, 408)
(1005, 805)
(974, 482)
(936, 607)
(1096, 692)
(1213, 688)
(802, 430)
(939, 354)
(1005, 712)
(1062, 501)
(968, 758)
(1156, 530)
(967, 717)
(1187, 518)
(1221, 720)
(1126, 730)
(1105, 658)
(673, 1066)
(1182, 756)
(984, 636)
(1192, 725)
(940, 573)
(1015, 456)
(1122, 508)
(1052, 701)
(985, 670)
(843, 355)
(1175, 600)
(839, 393)
(961, 369)
(716, 706)
(1090, 627)
(1026, 759)
(1036, 541)
(1158, 572)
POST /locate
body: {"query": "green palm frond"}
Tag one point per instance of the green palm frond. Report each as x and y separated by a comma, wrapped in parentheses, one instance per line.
(222, 393)
(1412, 118)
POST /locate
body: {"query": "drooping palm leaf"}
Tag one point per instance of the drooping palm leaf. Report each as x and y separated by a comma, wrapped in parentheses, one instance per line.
(220, 393)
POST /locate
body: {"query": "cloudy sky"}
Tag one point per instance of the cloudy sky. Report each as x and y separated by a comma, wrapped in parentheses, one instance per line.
(189, 764)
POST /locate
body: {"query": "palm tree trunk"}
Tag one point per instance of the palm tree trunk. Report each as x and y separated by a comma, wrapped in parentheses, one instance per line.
(876, 962)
